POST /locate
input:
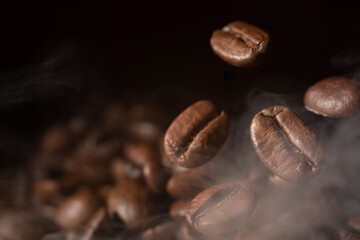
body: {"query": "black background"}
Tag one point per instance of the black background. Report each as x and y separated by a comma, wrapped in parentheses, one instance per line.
(158, 50)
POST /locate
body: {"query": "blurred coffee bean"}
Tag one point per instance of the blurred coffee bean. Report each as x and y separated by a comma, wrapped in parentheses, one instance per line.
(100, 145)
(196, 135)
(145, 155)
(77, 126)
(93, 171)
(155, 177)
(177, 209)
(92, 224)
(145, 131)
(334, 97)
(121, 169)
(240, 44)
(187, 184)
(286, 145)
(221, 208)
(162, 231)
(186, 232)
(131, 202)
(47, 189)
(76, 209)
(55, 139)
(344, 234)
(20, 225)
(354, 223)
(114, 116)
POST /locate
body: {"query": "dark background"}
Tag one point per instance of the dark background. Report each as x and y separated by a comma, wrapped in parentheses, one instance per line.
(56, 55)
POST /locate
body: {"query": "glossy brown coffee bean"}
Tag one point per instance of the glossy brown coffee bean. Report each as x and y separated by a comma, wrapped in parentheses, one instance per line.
(334, 97)
(196, 135)
(131, 202)
(76, 209)
(165, 230)
(177, 209)
(286, 145)
(221, 208)
(240, 44)
(354, 223)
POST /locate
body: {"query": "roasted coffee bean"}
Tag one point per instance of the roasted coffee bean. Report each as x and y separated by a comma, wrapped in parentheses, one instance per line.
(121, 169)
(354, 223)
(131, 202)
(177, 209)
(92, 225)
(20, 225)
(186, 232)
(286, 145)
(196, 135)
(47, 189)
(334, 97)
(162, 231)
(145, 156)
(345, 234)
(114, 116)
(76, 209)
(221, 208)
(55, 139)
(187, 184)
(240, 44)
(155, 177)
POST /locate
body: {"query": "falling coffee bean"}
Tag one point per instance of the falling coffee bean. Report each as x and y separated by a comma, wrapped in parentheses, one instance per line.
(334, 97)
(196, 135)
(221, 208)
(240, 44)
(285, 144)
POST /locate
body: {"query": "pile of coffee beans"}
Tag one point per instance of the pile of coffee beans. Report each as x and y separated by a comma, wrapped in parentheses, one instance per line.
(131, 172)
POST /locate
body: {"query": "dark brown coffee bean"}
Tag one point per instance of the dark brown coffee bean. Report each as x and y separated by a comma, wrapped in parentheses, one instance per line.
(187, 184)
(240, 44)
(163, 231)
(55, 139)
(76, 209)
(186, 232)
(144, 155)
(221, 208)
(92, 225)
(177, 209)
(334, 97)
(285, 144)
(20, 225)
(121, 169)
(354, 223)
(345, 234)
(47, 189)
(131, 202)
(196, 135)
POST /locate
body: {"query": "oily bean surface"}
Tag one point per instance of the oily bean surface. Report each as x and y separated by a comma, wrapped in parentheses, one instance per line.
(240, 44)
(196, 135)
(221, 208)
(285, 144)
(334, 97)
